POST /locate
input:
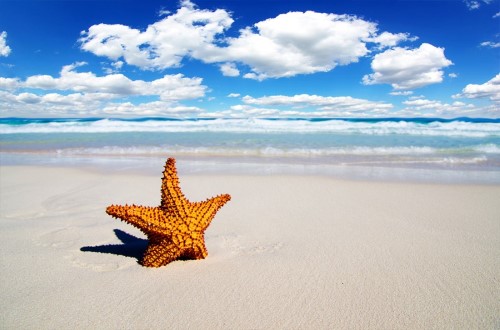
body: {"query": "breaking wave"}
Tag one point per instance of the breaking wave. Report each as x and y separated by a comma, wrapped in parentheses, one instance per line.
(463, 127)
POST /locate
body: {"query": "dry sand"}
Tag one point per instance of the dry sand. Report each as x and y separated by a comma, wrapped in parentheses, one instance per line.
(287, 252)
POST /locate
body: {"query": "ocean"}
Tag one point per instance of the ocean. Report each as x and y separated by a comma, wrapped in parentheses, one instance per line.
(429, 149)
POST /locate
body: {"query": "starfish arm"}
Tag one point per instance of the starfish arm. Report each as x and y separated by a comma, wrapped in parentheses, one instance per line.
(172, 198)
(147, 219)
(160, 252)
(205, 211)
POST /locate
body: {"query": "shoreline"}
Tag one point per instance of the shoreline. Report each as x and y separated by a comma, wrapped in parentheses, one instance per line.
(214, 165)
(408, 149)
(288, 251)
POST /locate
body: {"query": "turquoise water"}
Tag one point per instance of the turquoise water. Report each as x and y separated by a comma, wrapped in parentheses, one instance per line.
(460, 145)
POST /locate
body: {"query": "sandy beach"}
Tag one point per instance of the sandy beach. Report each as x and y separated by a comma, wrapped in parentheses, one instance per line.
(287, 252)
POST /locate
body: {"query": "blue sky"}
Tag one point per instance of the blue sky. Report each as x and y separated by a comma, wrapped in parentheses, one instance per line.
(239, 58)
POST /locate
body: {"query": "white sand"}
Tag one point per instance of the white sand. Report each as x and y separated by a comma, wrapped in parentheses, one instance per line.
(286, 252)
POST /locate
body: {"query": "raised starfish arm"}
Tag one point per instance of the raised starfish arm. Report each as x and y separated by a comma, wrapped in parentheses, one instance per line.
(172, 198)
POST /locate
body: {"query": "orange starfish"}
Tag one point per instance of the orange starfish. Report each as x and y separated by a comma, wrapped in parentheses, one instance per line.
(175, 229)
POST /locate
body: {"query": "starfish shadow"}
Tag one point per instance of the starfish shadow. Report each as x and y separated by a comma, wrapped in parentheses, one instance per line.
(132, 246)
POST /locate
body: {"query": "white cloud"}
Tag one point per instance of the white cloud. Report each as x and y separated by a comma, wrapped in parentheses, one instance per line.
(416, 97)
(300, 43)
(489, 90)
(72, 99)
(408, 68)
(475, 4)
(229, 70)
(490, 44)
(401, 93)
(29, 98)
(169, 88)
(452, 75)
(234, 95)
(255, 76)
(287, 45)
(84, 93)
(4, 49)
(51, 104)
(344, 104)
(244, 110)
(115, 67)
(304, 43)
(432, 108)
(150, 108)
(189, 31)
(9, 83)
(496, 15)
(423, 104)
(472, 4)
(86, 104)
(387, 39)
(163, 12)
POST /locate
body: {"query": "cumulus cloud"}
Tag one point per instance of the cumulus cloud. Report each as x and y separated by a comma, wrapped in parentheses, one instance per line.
(229, 70)
(420, 106)
(423, 107)
(169, 88)
(149, 108)
(244, 110)
(339, 104)
(424, 104)
(387, 39)
(9, 83)
(489, 90)
(51, 104)
(189, 31)
(85, 104)
(284, 46)
(115, 67)
(405, 69)
(300, 43)
(29, 98)
(84, 93)
(4, 49)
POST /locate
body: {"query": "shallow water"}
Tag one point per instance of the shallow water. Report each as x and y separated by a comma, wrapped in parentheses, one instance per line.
(459, 150)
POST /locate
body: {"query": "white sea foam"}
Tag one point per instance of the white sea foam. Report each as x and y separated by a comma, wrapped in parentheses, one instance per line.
(411, 143)
(411, 151)
(488, 148)
(454, 128)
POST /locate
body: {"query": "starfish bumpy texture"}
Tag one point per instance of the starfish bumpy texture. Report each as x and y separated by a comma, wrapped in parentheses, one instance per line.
(175, 229)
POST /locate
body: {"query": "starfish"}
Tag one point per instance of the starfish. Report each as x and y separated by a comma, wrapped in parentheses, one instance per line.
(175, 229)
